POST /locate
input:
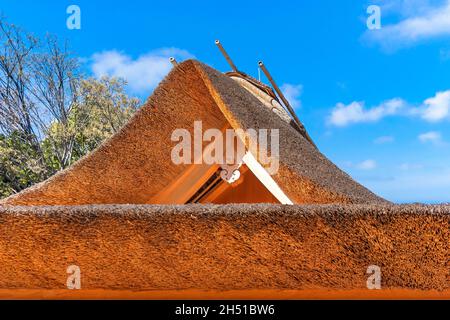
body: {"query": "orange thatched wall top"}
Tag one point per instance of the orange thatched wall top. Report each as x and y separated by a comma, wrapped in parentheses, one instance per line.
(231, 247)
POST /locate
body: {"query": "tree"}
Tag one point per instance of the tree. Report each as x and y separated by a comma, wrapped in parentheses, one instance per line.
(102, 108)
(17, 106)
(19, 165)
(50, 115)
(54, 87)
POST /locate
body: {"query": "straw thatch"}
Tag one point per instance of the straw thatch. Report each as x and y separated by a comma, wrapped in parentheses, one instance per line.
(230, 247)
(135, 164)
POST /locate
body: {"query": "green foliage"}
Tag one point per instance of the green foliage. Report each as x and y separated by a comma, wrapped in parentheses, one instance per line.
(20, 166)
(102, 108)
(50, 115)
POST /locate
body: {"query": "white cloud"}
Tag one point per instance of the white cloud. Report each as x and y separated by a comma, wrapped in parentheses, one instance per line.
(341, 85)
(407, 8)
(384, 139)
(428, 185)
(343, 115)
(433, 137)
(410, 166)
(437, 108)
(444, 54)
(434, 109)
(431, 21)
(367, 165)
(292, 93)
(142, 73)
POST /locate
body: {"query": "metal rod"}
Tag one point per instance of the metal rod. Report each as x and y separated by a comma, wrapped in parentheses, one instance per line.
(173, 61)
(225, 54)
(286, 103)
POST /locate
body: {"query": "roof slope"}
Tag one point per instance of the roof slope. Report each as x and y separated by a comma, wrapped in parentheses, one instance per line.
(133, 165)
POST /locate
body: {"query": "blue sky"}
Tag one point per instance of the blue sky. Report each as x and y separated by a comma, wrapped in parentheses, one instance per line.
(376, 102)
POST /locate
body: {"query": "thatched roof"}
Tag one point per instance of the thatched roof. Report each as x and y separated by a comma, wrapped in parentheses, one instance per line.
(261, 250)
(230, 247)
(135, 164)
